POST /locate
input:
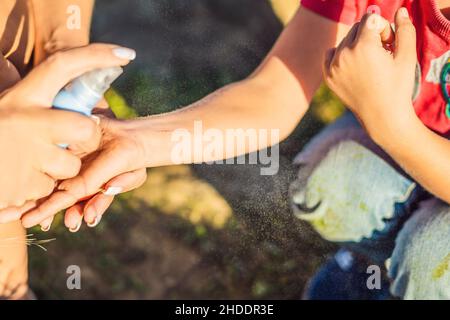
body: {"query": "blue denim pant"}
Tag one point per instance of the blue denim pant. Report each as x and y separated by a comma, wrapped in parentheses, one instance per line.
(353, 193)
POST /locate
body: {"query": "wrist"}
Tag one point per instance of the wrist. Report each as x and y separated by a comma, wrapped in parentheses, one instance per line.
(153, 140)
(396, 129)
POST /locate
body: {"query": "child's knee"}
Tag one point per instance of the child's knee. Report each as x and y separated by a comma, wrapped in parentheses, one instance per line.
(350, 193)
(420, 264)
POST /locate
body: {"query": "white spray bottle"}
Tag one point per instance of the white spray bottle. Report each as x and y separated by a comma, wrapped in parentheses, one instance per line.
(85, 92)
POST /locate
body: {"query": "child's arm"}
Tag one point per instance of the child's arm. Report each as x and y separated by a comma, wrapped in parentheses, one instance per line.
(377, 86)
(275, 96)
(423, 154)
(63, 24)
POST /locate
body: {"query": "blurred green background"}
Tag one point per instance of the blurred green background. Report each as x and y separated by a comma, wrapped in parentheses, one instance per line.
(191, 232)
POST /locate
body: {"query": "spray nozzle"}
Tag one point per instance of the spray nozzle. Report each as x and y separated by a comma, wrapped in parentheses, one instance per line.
(100, 80)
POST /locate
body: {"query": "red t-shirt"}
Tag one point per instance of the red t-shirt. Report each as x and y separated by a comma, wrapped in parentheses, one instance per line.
(433, 47)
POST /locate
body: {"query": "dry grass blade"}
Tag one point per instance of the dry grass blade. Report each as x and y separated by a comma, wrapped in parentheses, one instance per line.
(29, 241)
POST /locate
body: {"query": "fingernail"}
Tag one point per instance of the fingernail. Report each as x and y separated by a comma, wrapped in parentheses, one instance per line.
(91, 213)
(77, 227)
(125, 53)
(373, 22)
(403, 12)
(96, 119)
(47, 228)
(379, 22)
(113, 191)
(96, 221)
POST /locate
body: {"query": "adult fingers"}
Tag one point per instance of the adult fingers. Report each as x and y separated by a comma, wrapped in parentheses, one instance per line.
(65, 127)
(56, 202)
(62, 67)
(58, 163)
(41, 186)
(73, 190)
(77, 189)
(107, 164)
(14, 213)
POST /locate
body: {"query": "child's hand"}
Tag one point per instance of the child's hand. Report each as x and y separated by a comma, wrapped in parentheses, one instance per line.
(117, 166)
(375, 83)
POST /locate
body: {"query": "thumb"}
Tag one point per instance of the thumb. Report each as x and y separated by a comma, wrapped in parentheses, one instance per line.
(375, 27)
(64, 127)
(44, 82)
(89, 182)
(405, 38)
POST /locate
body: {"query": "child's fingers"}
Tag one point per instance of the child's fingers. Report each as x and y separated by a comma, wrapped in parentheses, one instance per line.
(95, 208)
(329, 56)
(349, 40)
(58, 201)
(46, 224)
(374, 27)
(126, 182)
(105, 166)
(388, 36)
(74, 217)
(405, 38)
(351, 35)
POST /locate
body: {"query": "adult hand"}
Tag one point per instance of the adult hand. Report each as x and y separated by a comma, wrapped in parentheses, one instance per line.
(91, 209)
(30, 131)
(371, 79)
(117, 166)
